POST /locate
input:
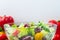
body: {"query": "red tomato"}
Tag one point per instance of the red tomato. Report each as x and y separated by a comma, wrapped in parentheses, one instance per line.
(57, 37)
(1, 22)
(57, 34)
(6, 20)
(53, 21)
(11, 20)
(3, 36)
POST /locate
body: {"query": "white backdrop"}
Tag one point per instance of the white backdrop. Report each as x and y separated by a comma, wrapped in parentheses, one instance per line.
(31, 10)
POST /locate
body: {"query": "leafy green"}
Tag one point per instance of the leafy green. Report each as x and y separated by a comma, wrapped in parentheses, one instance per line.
(1, 29)
(43, 26)
(23, 31)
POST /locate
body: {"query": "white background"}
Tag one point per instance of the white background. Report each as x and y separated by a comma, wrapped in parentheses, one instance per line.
(31, 10)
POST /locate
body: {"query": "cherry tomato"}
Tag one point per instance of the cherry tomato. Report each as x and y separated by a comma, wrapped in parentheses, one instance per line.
(57, 34)
(53, 21)
(10, 20)
(3, 36)
(6, 20)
